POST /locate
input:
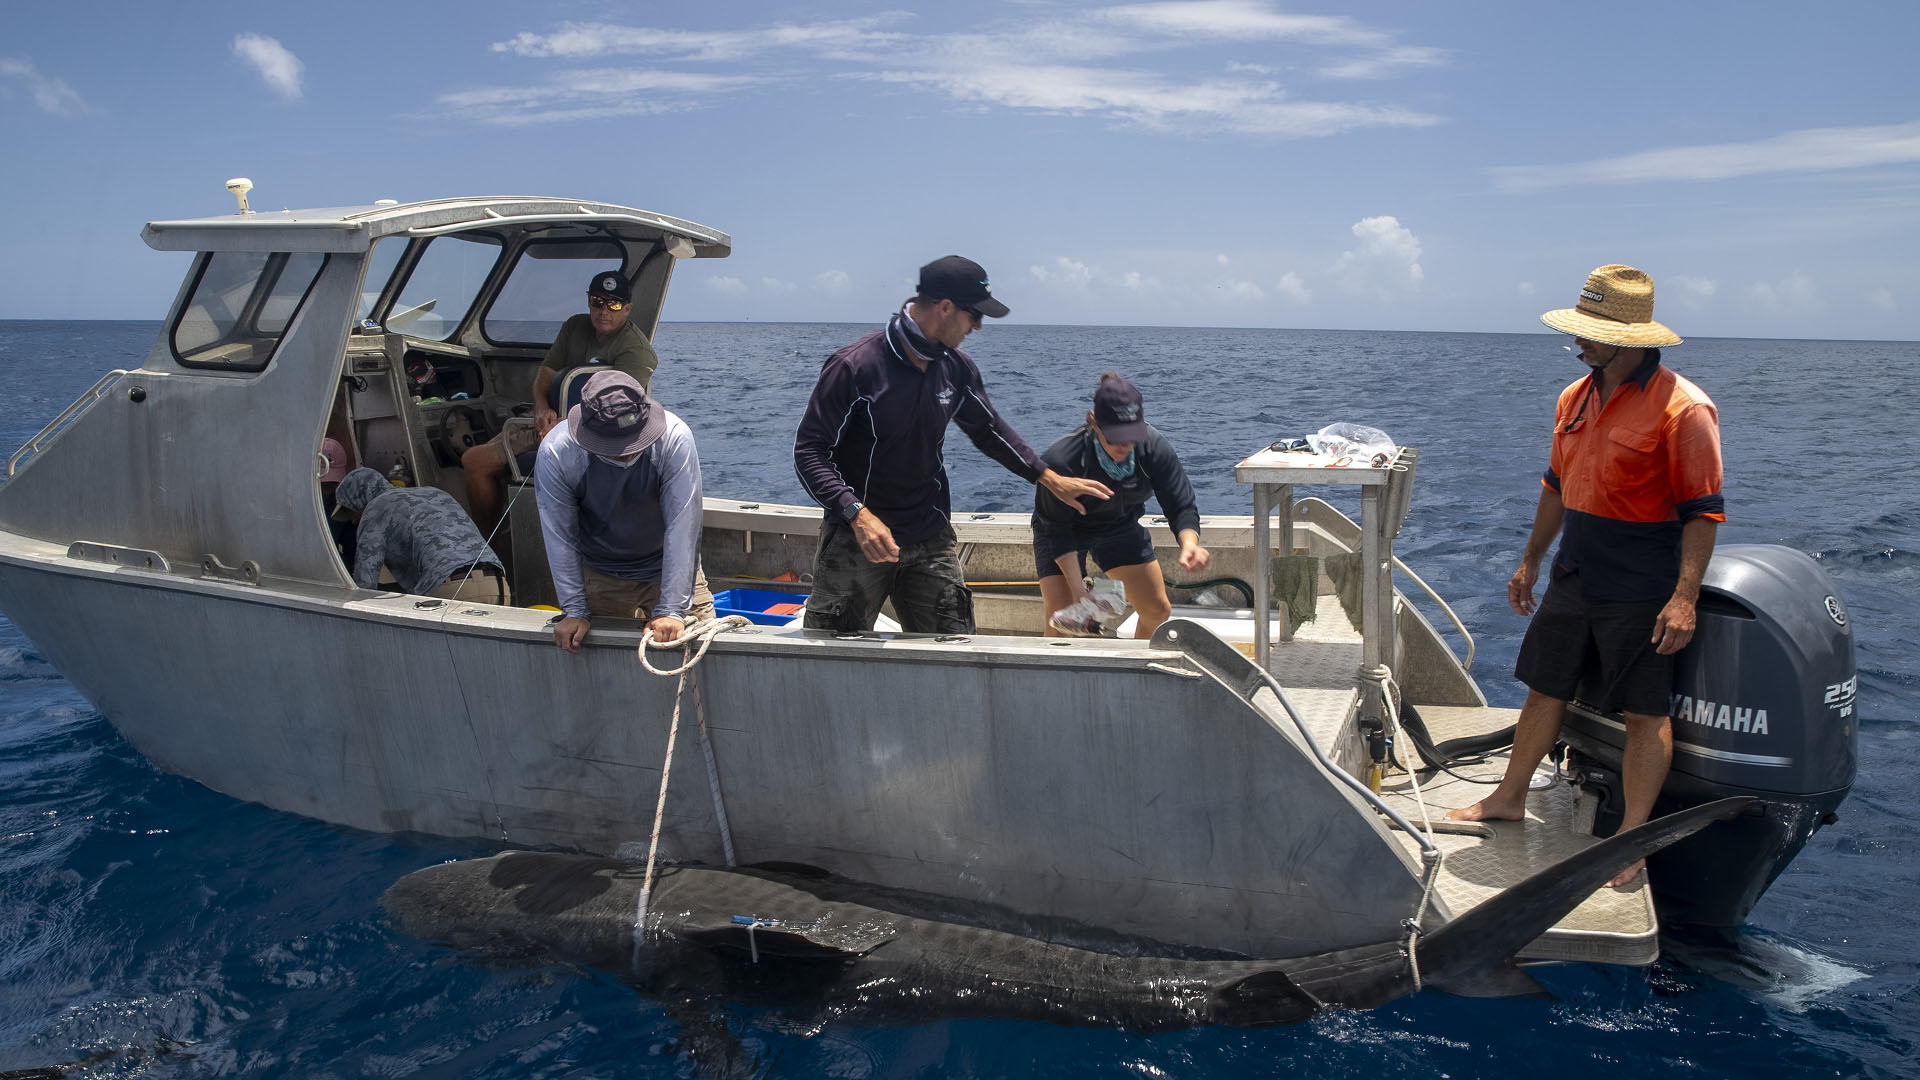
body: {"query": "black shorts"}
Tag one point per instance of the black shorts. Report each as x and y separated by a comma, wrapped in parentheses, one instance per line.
(1125, 543)
(1601, 653)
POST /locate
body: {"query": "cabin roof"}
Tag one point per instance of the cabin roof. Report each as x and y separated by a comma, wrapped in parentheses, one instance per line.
(355, 228)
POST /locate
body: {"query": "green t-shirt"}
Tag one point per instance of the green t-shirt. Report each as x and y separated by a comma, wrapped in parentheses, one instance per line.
(627, 350)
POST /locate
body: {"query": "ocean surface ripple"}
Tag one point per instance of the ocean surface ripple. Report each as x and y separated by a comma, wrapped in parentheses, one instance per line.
(151, 927)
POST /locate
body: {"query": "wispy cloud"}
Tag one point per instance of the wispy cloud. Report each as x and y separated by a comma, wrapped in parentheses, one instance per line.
(727, 284)
(832, 281)
(50, 95)
(1291, 286)
(273, 62)
(1808, 151)
(591, 93)
(1692, 292)
(1070, 64)
(1795, 294)
(1882, 298)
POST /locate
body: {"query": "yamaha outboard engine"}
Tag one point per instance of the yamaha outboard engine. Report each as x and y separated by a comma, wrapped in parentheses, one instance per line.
(1763, 705)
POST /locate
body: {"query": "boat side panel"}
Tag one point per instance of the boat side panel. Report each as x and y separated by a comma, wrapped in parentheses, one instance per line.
(1110, 793)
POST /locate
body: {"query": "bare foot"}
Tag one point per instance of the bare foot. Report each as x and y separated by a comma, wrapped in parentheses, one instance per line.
(1625, 877)
(1488, 810)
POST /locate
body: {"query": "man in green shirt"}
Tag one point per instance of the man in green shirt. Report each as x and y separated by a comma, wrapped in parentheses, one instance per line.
(602, 338)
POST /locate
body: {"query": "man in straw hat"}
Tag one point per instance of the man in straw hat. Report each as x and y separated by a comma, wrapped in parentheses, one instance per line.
(1633, 492)
(618, 485)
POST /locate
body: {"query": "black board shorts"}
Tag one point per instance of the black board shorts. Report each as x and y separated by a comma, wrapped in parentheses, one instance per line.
(1601, 653)
(1125, 543)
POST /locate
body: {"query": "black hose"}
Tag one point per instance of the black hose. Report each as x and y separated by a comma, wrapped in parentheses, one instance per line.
(1454, 751)
(1246, 590)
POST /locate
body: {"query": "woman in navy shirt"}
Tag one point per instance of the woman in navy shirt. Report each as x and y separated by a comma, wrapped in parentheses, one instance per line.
(1120, 449)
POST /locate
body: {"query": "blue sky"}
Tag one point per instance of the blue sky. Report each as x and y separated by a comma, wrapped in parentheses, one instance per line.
(1223, 162)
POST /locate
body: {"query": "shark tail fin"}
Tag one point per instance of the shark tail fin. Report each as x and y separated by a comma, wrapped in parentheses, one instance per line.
(1465, 951)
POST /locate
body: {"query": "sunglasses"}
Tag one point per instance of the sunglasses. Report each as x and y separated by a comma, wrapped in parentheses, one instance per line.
(604, 302)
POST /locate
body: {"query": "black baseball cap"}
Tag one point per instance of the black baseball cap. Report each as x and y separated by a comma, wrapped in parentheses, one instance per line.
(1119, 412)
(611, 284)
(962, 281)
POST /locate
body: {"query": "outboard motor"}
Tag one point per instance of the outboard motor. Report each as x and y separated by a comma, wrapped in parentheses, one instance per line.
(1763, 705)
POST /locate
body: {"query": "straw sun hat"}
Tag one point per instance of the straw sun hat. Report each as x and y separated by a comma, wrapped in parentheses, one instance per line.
(1616, 308)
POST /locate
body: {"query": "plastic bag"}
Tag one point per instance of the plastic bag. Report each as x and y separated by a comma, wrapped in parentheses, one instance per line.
(1093, 615)
(1356, 441)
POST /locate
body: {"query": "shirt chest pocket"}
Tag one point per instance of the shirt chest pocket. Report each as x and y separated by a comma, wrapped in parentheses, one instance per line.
(1632, 471)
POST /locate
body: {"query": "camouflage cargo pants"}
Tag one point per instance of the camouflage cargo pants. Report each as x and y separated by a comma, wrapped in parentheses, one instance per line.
(928, 590)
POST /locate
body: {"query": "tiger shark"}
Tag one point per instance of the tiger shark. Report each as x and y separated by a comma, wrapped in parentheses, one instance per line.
(838, 948)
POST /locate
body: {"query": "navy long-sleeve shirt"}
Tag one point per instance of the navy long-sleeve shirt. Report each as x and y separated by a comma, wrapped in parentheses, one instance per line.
(876, 425)
(1156, 472)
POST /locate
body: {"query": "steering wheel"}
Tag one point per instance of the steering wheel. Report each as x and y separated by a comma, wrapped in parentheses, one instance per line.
(479, 428)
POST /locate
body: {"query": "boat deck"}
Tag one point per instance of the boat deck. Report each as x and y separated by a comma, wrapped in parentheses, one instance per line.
(1613, 926)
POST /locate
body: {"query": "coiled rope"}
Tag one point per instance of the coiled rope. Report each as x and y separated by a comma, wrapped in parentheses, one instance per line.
(1430, 854)
(700, 639)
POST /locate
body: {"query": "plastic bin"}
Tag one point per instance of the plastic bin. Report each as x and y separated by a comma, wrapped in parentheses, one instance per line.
(763, 606)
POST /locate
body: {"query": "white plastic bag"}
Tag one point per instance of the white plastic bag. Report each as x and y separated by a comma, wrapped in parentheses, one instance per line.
(1356, 441)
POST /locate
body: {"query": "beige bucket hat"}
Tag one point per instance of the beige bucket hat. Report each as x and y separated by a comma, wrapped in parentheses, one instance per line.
(1616, 308)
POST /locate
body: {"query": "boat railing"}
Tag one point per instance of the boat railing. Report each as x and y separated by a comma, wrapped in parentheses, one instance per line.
(1323, 522)
(1467, 663)
(80, 403)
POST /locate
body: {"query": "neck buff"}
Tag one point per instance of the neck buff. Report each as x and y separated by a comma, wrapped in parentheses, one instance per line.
(1117, 471)
(910, 334)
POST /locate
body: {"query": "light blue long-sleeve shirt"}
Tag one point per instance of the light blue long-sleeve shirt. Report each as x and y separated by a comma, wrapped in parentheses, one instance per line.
(663, 532)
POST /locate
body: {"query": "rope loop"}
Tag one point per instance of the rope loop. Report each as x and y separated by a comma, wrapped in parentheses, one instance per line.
(701, 636)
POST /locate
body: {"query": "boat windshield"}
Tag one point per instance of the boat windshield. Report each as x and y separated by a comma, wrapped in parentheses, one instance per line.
(442, 286)
(240, 306)
(380, 263)
(547, 284)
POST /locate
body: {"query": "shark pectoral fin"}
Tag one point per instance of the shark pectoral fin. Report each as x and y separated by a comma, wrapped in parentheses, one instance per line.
(793, 942)
(1504, 980)
(1267, 997)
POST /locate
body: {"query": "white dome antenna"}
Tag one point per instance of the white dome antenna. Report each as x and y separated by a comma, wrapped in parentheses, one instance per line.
(240, 185)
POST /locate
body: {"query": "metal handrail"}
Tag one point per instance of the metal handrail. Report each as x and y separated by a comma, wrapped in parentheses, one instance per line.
(1444, 606)
(84, 400)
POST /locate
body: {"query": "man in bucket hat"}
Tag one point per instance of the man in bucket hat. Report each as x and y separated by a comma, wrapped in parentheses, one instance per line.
(1633, 491)
(870, 451)
(618, 485)
(601, 336)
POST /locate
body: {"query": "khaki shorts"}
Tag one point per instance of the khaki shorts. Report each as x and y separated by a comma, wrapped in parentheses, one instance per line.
(479, 588)
(624, 599)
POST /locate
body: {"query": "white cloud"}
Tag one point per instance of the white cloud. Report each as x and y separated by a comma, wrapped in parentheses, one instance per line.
(1237, 291)
(50, 95)
(776, 286)
(276, 66)
(1053, 64)
(1794, 294)
(1882, 298)
(833, 281)
(592, 93)
(727, 284)
(1066, 273)
(1221, 259)
(1292, 287)
(1807, 151)
(1386, 248)
(1692, 292)
(1135, 281)
(1241, 20)
(1386, 64)
(1527, 289)
(578, 40)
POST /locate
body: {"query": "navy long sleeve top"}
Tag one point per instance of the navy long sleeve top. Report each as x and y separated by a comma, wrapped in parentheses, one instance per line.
(876, 427)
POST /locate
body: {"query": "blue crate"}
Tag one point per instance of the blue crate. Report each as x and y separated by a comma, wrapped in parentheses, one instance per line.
(753, 603)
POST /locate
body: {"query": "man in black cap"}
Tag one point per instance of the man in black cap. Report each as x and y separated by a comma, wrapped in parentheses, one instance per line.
(869, 451)
(601, 336)
(619, 490)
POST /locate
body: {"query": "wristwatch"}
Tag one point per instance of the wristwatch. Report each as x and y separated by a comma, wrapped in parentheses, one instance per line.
(853, 510)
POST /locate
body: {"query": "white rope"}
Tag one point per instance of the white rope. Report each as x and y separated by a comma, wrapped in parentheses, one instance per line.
(1431, 855)
(702, 637)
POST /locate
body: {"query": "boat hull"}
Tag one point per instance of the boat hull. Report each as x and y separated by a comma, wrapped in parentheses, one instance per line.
(1103, 782)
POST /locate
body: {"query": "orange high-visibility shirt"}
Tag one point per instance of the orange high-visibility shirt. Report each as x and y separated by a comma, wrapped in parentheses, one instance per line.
(1631, 474)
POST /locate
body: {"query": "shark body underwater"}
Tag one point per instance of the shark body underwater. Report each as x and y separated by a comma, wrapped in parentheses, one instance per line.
(829, 947)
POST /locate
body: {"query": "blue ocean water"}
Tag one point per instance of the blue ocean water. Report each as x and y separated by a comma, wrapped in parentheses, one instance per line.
(151, 927)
